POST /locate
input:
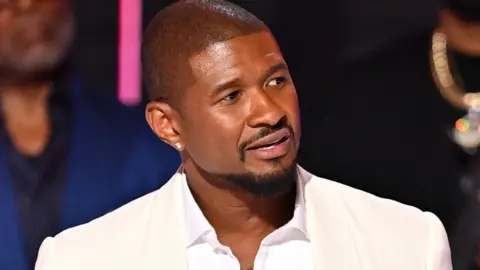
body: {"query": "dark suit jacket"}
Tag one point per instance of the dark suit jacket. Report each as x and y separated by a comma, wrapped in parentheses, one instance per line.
(113, 158)
(465, 237)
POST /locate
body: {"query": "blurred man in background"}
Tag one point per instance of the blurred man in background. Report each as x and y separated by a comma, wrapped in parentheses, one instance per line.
(67, 154)
(455, 61)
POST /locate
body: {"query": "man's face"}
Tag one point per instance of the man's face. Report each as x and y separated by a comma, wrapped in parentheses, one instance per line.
(34, 34)
(240, 120)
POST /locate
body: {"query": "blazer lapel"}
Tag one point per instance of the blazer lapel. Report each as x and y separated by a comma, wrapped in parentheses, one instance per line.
(165, 244)
(329, 225)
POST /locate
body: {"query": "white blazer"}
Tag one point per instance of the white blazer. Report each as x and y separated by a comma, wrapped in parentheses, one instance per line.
(349, 230)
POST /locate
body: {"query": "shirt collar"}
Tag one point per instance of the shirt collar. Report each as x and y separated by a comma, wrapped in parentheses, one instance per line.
(198, 226)
(196, 223)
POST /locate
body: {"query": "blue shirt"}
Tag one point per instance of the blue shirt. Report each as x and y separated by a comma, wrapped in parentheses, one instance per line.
(39, 180)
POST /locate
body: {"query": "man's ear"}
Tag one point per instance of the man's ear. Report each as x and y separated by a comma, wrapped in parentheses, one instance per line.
(163, 121)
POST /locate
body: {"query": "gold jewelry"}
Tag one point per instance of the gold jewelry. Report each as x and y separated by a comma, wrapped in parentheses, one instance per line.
(467, 129)
(443, 76)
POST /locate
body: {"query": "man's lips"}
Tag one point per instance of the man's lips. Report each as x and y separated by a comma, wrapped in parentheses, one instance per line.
(271, 139)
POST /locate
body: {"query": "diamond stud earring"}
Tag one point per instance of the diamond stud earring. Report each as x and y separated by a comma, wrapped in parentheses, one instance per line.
(178, 146)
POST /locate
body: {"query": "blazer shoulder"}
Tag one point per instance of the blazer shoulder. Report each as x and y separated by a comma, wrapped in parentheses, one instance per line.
(384, 226)
(368, 204)
(129, 215)
(86, 246)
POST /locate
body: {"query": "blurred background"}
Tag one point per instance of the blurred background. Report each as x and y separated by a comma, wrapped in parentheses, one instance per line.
(374, 115)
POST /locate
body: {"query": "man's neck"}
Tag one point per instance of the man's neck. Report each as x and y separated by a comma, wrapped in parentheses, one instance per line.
(234, 211)
(23, 99)
(463, 36)
(25, 110)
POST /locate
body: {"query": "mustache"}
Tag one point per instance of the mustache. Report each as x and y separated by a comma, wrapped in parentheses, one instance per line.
(265, 132)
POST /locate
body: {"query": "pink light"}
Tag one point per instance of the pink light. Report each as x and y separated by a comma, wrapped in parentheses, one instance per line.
(129, 70)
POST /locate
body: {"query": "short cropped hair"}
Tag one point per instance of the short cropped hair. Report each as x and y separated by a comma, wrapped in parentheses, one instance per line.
(182, 30)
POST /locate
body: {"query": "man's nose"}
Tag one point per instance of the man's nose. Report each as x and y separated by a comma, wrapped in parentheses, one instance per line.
(264, 111)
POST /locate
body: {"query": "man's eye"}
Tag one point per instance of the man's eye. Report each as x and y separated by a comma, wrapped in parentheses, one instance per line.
(232, 96)
(276, 81)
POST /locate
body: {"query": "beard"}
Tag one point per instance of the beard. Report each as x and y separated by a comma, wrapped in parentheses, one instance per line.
(466, 10)
(20, 55)
(269, 184)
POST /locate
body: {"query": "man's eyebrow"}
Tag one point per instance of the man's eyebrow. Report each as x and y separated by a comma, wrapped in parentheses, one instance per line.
(274, 69)
(236, 82)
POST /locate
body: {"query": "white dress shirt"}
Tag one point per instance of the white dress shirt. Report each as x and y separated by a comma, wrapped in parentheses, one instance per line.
(286, 248)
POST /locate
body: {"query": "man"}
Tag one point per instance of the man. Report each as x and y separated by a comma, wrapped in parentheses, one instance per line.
(223, 97)
(458, 33)
(67, 154)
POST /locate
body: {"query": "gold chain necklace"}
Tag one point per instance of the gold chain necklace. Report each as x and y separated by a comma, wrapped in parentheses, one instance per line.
(467, 129)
